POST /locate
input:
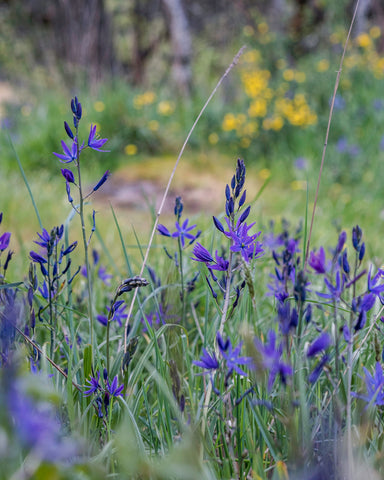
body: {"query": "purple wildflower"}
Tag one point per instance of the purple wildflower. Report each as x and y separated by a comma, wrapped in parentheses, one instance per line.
(94, 142)
(207, 361)
(231, 355)
(102, 180)
(70, 153)
(183, 232)
(68, 175)
(114, 389)
(94, 385)
(4, 241)
(320, 343)
(317, 261)
(375, 386)
(271, 357)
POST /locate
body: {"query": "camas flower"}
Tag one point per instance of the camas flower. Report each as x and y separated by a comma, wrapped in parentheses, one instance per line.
(207, 361)
(317, 261)
(231, 355)
(271, 353)
(375, 386)
(94, 142)
(201, 254)
(70, 153)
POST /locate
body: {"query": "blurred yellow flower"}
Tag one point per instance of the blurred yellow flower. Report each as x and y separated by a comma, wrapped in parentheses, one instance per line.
(146, 98)
(322, 65)
(299, 185)
(99, 106)
(229, 122)
(165, 108)
(273, 123)
(263, 28)
(153, 125)
(288, 75)
(213, 138)
(245, 142)
(233, 122)
(248, 31)
(255, 82)
(264, 174)
(258, 108)
(375, 32)
(252, 56)
(281, 63)
(363, 40)
(130, 149)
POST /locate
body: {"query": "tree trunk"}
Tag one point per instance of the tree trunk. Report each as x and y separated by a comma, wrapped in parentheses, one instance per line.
(181, 45)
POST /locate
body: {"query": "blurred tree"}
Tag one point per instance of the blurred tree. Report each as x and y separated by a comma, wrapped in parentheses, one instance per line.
(181, 45)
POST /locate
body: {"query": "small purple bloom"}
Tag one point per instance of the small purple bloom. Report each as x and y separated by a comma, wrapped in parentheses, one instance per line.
(231, 355)
(70, 153)
(183, 232)
(102, 180)
(301, 163)
(317, 261)
(163, 230)
(335, 291)
(4, 241)
(94, 385)
(271, 356)
(68, 175)
(375, 386)
(114, 389)
(201, 254)
(316, 372)
(320, 343)
(207, 361)
(94, 142)
(37, 258)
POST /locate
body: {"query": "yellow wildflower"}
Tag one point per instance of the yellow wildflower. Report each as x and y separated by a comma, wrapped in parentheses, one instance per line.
(322, 65)
(130, 149)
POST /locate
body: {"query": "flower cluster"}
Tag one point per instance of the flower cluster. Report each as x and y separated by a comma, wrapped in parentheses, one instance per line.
(230, 361)
(243, 246)
(183, 232)
(103, 390)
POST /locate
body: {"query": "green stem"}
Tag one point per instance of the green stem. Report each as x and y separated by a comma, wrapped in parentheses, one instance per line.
(85, 243)
(182, 280)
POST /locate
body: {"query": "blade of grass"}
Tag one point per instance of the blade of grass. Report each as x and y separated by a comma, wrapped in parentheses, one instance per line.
(26, 183)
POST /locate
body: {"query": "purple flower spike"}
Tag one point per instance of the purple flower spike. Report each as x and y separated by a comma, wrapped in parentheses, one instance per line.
(68, 175)
(94, 142)
(321, 343)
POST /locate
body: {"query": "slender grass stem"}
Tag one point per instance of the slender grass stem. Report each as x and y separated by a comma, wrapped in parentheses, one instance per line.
(327, 133)
(225, 74)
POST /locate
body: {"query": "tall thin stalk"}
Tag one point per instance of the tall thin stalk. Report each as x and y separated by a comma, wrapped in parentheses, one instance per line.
(327, 132)
(225, 74)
